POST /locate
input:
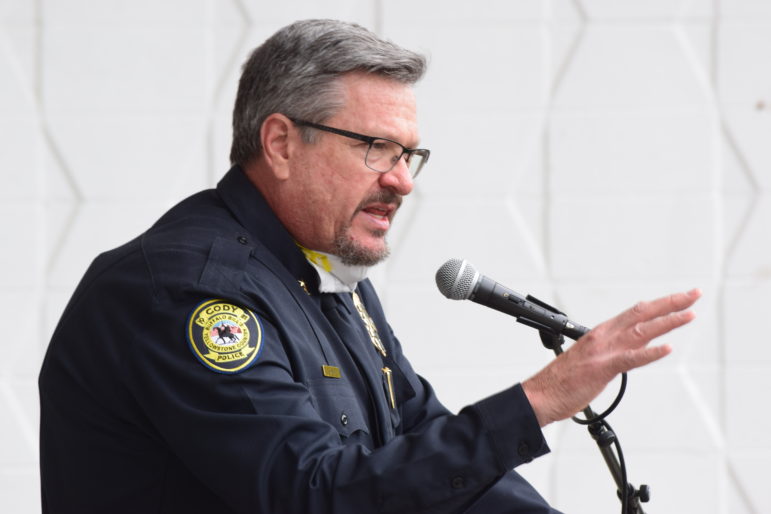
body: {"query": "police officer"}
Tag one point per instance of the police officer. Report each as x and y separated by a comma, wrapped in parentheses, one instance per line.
(234, 357)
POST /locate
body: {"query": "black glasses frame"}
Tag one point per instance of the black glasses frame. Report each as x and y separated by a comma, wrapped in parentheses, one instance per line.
(423, 152)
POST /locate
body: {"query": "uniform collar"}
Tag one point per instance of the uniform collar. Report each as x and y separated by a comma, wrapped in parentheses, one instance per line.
(252, 211)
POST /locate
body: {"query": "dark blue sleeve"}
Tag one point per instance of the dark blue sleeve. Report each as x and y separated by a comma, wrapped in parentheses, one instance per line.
(512, 494)
(507, 426)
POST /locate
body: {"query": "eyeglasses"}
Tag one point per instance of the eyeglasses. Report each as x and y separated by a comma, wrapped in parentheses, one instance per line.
(382, 154)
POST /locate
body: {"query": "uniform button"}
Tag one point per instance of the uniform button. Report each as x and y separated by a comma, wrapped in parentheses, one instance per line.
(343, 419)
(243, 240)
(458, 483)
(524, 451)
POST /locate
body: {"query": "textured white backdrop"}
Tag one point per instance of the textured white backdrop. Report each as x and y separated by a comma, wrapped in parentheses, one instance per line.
(590, 152)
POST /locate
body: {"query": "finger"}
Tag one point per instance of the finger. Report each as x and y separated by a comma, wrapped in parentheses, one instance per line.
(641, 357)
(643, 332)
(648, 310)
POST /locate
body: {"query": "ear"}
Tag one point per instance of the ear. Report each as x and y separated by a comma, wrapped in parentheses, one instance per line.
(275, 137)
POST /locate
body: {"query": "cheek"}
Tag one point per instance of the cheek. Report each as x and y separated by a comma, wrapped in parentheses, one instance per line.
(335, 186)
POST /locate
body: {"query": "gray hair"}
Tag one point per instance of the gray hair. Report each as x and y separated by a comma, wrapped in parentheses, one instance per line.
(296, 72)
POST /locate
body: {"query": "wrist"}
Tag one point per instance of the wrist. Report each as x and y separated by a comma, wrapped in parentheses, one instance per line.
(534, 393)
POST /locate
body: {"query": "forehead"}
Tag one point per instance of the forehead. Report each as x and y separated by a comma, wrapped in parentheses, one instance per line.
(378, 106)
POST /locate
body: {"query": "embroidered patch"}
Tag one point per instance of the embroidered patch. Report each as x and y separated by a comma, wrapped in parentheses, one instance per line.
(224, 337)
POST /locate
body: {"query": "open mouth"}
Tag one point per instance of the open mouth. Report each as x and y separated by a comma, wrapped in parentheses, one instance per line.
(379, 209)
(382, 213)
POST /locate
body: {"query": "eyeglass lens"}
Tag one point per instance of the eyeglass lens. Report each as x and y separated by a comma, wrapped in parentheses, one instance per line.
(384, 154)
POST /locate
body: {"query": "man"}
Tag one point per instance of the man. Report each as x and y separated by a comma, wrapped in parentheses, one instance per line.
(236, 359)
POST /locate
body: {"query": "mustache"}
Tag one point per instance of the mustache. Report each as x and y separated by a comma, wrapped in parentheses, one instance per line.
(382, 196)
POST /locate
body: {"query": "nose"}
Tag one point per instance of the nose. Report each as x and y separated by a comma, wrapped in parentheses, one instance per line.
(398, 178)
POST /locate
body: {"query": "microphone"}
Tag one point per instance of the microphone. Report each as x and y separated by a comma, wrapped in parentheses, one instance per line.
(458, 280)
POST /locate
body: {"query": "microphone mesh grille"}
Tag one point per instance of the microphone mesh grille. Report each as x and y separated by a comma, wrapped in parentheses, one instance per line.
(456, 279)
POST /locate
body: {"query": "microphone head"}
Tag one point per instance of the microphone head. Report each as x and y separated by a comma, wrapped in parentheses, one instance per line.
(456, 279)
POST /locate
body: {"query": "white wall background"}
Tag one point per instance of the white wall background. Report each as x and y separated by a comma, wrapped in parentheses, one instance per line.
(590, 152)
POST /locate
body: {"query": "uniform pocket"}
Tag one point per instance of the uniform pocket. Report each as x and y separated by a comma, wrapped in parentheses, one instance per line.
(337, 405)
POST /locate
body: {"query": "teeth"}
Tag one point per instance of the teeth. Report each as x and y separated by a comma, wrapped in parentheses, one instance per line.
(378, 213)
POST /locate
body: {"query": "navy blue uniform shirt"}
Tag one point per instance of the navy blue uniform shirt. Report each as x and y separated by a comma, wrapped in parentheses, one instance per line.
(197, 369)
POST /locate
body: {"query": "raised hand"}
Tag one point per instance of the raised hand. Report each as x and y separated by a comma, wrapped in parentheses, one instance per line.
(571, 381)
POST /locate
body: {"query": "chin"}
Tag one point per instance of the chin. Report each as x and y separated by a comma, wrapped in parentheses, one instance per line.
(354, 253)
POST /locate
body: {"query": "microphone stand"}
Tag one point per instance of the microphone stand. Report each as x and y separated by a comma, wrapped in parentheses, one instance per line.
(600, 431)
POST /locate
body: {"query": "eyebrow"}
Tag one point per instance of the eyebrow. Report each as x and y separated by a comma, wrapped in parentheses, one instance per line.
(347, 133)
(391, 137)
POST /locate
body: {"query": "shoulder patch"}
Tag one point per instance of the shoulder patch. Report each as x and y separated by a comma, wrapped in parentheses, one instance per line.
(224, 337)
